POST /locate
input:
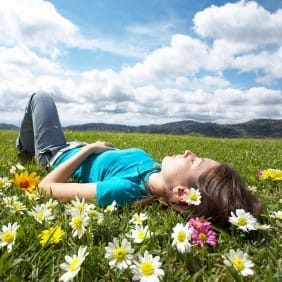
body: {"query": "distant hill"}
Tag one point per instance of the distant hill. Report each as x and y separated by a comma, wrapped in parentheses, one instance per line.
(258, 128)
(7, 126)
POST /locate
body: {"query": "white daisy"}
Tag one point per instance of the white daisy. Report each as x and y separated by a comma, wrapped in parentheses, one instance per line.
(41, 213)
(10, 200)
(276, 214)
(244, 220)
(17, 207)
(138, 218)
(96, 215)
(263, 227)
(79, 222)
(79, 205)
(253, 189)
(5, 182)
(140, 233)
(239, 260)
(112, 207)
(32, 195)
(147, 268)
(8, 235)
(193, 197)
(73, 264)
(120, 255)
(51, 204)
(16, 167)
(182, 235)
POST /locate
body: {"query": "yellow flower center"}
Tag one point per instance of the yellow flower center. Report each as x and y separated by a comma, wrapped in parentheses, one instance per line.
(238, 264)
(24, 184)
(119, 253)
(108, 208)
(203, 236)
(242, 221)
(141, 234)
(279, 215)
(8, 237)
(73, 265)
(147, 268)
(93, 213)
(138, 218)
(31, 195)
(181, 236)
(80, 207)
(77, 222)
(193, 196)
(40, 215)
(17, 207)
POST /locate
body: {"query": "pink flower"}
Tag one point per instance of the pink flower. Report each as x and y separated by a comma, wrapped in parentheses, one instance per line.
(198, 222)
(260, 175)
(204, 235)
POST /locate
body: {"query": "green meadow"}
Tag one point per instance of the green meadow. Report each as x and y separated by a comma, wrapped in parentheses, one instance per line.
(29, 260)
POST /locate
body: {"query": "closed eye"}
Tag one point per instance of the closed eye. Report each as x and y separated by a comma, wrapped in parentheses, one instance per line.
(201, 162)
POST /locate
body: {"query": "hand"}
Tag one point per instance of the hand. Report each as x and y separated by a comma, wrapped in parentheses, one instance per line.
(98, 147)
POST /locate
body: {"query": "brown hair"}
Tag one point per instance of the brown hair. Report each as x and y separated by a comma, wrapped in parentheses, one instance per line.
(222, 191)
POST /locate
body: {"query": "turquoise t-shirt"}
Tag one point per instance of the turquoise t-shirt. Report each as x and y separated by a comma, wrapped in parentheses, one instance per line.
(120, 175)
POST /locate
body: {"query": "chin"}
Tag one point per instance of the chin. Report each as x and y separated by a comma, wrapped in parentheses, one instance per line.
(166, 159)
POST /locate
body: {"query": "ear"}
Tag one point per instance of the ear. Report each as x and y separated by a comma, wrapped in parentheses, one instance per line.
(179, 191)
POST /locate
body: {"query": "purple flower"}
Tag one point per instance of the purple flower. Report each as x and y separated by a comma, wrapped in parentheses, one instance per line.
(204, 235)
(198, 222)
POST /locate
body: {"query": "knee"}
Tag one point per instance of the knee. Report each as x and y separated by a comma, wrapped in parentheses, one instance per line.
(40, 97)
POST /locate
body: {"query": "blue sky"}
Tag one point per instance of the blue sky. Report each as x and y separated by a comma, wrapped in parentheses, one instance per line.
(140, 62)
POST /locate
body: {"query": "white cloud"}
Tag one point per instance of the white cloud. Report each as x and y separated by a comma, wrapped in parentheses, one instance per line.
(244, 21)
(23, 58)
(35, 23)
(184, 56)
(265, 61)
(223, 52)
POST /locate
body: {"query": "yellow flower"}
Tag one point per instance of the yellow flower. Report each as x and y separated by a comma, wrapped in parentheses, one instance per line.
(52, 235)
(274, 174)
(26, 181)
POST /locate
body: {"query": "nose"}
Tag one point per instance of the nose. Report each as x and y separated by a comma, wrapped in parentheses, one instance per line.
(189, 153)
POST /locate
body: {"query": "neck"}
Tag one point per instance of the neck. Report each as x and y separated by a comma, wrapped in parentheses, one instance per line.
(156, 184)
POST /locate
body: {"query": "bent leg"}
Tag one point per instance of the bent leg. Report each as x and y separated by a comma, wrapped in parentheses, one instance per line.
(41, 131)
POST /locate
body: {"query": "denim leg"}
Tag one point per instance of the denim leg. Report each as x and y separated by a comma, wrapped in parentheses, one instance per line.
(41, 131)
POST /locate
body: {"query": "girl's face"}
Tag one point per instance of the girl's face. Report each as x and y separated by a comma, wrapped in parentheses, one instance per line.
(184, 169)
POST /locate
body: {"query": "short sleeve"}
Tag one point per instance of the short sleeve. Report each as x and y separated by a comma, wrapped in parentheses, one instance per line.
(122, 191)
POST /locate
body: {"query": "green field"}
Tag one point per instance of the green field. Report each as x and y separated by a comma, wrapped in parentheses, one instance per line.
(30, 261)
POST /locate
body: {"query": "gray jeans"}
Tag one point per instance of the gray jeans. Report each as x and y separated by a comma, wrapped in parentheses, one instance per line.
(41, 132)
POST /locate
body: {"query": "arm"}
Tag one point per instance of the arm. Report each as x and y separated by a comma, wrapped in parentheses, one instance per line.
(55, 184)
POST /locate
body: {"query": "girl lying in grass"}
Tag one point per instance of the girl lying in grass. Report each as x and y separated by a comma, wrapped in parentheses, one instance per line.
(190, 184)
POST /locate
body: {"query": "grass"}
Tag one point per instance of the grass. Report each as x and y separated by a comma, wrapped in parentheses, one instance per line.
(29, 261)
